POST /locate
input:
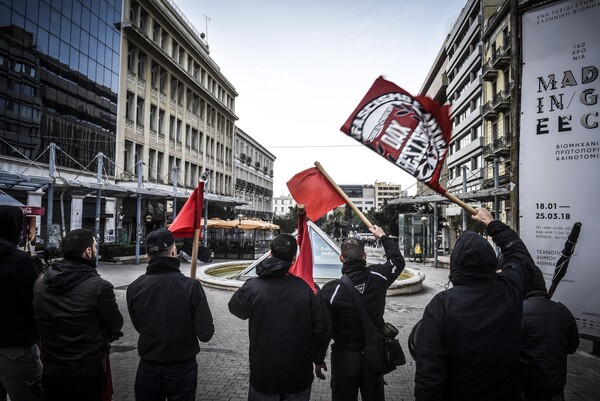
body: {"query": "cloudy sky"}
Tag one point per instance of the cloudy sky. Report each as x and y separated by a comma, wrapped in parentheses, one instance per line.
(300, 68)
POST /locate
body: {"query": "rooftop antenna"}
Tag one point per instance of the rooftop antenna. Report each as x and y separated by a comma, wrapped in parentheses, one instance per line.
(206, 19)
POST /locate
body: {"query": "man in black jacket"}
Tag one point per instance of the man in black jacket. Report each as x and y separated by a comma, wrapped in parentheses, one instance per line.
(20, 366)
(549, 334)
(348, 373)
(77, 317)
(289, 327)
(171, 313)
(467, 347)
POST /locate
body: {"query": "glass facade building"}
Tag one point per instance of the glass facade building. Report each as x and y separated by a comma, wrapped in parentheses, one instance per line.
(59, 76)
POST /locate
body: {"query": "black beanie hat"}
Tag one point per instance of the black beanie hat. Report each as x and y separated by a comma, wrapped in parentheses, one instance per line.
(11, 223)
(473, 257)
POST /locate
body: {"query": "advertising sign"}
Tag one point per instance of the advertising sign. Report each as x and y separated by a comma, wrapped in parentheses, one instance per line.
(559, 171)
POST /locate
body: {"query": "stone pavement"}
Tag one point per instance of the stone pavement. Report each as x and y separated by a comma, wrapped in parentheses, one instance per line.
(223, 361)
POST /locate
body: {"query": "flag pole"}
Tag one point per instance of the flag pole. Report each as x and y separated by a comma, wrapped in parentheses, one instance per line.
(197, 225)
(343, 195)
(195, 252)
(460, 203)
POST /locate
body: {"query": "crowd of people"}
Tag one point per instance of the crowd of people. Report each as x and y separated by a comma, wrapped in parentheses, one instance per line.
(493, 336)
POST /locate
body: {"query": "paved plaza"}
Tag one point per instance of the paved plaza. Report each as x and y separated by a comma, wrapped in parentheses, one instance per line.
(223, 361)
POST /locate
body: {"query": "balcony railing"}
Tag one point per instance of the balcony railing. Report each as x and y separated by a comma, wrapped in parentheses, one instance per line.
(499, 147)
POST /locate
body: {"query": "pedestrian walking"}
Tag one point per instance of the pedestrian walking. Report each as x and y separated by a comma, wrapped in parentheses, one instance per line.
(20, 366)
(349, 373)
(77, 316)
(171, 313)
(467, 345)
(289, 327)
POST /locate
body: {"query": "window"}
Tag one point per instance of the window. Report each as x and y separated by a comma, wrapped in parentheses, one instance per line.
(174, 87)
(140, 111)
(194, 139)
(151, 164)
(156, 33)
(141, 68)
(163, 80)
(129, 106)
(131, 52)
(159, 165)
(174, 50)
(172, 128)
(155, 74)
(153, 112)
(161, 121)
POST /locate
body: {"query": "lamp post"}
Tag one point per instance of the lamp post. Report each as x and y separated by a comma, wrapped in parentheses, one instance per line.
(424, 222)
(62, 185)
(206, 178)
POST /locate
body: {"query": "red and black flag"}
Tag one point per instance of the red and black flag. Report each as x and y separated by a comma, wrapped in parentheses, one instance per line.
(413, 132)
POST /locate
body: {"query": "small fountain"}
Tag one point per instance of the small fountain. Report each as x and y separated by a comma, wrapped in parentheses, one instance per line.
(326, 266)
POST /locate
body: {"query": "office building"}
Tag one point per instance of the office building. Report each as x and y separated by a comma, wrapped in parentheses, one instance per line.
(253, 177)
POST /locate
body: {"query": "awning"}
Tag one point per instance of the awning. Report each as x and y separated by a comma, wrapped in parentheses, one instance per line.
(484, 195)
(6, 199)
(22, 182)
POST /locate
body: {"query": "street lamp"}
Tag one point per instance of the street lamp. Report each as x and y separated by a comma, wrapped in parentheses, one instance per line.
(62, 185)
(424, 222)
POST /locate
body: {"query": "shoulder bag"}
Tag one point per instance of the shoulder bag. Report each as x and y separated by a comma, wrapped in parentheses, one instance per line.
(382, 354)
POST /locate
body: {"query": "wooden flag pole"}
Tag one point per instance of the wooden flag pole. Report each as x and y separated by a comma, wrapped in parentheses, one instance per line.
(195, 253)
(343, 195)
(197, 225)
(460, 203)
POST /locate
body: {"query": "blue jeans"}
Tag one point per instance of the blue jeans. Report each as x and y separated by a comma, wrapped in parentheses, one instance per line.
(174, 382)
(254, 395)
(21, 373)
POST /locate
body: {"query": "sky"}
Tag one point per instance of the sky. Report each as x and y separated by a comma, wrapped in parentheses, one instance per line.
(301, 67)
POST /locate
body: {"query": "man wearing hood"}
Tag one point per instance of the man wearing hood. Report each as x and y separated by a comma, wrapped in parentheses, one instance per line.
(289, 327)
(549, 335)
(467, 347)
(349, 375)
(77, 317)
(20, 366)
(171, 313)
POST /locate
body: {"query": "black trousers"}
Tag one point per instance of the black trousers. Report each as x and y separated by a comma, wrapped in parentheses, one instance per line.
(73, 388)
(349, 375)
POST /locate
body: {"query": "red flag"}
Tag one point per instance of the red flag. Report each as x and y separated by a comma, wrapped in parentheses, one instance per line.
(311, 188)
(303, 266)
(413, 132)
(189, 218)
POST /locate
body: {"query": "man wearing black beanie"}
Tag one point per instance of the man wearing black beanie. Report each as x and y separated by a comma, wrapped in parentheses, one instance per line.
(20, 366)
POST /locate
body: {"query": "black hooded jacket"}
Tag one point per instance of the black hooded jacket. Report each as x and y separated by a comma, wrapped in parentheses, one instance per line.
(289, 328)
(77, 315)
(170, 311)
(372, 283)
(549, 334)
(17, 276)
(467, 347)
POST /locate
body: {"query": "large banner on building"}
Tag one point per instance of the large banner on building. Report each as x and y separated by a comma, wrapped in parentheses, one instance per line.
(559, 171)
